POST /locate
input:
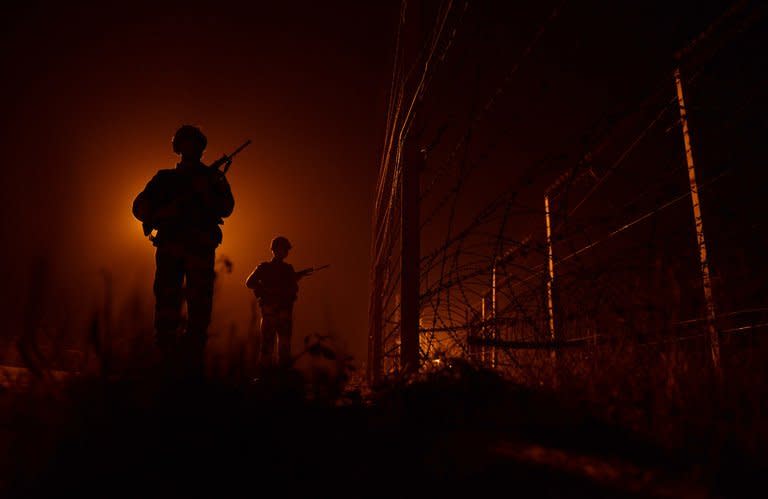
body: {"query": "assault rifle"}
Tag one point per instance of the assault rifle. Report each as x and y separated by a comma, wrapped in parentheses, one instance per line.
(311, 270)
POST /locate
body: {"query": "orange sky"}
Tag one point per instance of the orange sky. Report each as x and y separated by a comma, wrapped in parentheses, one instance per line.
(103, 93)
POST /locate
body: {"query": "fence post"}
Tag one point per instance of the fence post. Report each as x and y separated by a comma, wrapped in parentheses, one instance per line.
(374, 339)
(410, 258)
(714, 340)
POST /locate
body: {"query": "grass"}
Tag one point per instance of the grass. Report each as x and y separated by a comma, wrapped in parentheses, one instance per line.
(623, 420)
(457, 428)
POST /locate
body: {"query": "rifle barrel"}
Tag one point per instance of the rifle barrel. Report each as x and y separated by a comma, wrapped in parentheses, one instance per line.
(245, 144)
(236, 151)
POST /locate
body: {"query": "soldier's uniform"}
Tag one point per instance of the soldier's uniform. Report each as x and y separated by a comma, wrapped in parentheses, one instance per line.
(274, 282)
(186, 205)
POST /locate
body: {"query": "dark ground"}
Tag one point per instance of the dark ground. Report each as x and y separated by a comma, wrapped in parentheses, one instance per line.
(458, 430)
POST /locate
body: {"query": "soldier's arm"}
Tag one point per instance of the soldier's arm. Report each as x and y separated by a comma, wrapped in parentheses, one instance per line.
(150, 205)
(221, 200)
(145, 203)
(253, 279)
(254, 282)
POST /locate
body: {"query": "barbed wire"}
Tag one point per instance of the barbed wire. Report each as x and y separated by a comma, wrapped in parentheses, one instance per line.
(482, 283)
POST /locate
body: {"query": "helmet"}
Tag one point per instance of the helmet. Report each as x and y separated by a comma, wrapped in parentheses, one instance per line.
(280, 241)
(189, 134)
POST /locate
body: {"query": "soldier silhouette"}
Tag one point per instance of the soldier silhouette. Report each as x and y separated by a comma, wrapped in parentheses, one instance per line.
(275, 284)
(185, 205)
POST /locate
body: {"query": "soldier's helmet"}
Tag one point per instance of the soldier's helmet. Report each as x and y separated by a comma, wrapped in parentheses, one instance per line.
(280, 242)
(189, 139)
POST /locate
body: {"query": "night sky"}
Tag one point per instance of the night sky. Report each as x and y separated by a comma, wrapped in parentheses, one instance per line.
(94, 92)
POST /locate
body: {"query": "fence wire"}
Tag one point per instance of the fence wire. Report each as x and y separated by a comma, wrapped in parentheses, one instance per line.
(625, 266)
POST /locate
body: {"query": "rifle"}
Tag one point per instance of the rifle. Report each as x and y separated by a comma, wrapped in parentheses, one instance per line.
(260, 291)
(225, 160)
(309, 271)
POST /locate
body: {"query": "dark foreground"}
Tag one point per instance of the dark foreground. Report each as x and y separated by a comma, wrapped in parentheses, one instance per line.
(459, 431)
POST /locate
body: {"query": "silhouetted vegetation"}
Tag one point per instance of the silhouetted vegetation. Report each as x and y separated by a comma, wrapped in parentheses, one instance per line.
(622, 420)
(457, 427)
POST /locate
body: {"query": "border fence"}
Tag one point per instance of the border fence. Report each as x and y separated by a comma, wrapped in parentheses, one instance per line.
(633, 234)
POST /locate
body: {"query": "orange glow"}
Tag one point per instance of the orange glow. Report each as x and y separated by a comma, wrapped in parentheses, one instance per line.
(93, 119)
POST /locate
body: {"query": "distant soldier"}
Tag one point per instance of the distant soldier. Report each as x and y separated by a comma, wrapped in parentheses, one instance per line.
(185, 205)
(275, 284)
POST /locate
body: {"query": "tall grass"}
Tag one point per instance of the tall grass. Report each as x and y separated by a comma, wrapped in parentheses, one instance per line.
(614, 419)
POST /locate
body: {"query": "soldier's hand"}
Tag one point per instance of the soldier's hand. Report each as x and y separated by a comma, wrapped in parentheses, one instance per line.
(221, 182)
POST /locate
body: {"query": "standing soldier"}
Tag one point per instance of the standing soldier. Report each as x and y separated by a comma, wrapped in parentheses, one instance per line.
(185, 205)
(275, 284)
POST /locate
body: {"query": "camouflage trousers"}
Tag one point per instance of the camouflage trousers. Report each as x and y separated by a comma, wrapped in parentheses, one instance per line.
(175, 265)
(276, 324)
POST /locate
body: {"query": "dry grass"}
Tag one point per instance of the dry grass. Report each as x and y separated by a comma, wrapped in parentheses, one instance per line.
(622, 420)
